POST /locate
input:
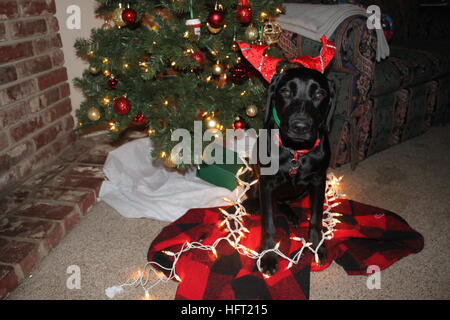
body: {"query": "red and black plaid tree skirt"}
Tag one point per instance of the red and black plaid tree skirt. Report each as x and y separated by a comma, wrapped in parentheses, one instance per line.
(366, 236)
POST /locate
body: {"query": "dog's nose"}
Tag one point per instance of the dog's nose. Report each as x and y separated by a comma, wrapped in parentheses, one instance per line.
(300, 127)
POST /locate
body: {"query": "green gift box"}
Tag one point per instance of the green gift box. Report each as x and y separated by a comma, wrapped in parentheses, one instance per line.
(222, 175)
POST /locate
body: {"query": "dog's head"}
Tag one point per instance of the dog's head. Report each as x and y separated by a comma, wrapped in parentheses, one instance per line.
(303, 101)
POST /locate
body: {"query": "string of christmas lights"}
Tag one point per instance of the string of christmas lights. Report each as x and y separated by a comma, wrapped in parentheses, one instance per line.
(236, 230)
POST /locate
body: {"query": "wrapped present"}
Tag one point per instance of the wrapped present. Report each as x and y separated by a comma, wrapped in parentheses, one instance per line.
(222, 174)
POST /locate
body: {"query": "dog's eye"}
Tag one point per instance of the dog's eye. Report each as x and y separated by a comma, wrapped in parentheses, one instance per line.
(320, 95)
(285, 93)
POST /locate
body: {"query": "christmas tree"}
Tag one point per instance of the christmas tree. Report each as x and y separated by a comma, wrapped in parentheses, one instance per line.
(164, 64)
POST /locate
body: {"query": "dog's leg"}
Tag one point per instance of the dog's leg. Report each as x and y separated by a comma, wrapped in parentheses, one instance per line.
(251, 204)
(292, 216)
(269, 262)
(317, 197)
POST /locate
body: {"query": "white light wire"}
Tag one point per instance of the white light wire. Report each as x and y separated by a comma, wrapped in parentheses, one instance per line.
(236, 230)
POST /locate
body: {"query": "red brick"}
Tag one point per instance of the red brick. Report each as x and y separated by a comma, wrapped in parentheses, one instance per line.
(64, 90)
(8, 9)
(16, 51)
(47, 136)
(44, 100)
(59, 110)
(33, 66)
(13, 114)
(84, 199)
(47, 174)
(74, 153)
(37, 7)
(24, 254)
(53, 24)
(16, 199)
(17, 92)
(67, 215)
(69, 123)
(58, 58)
(17, 227)
(63, 142)
(78, 182)
(90, 171)
(8, 281)
(35, 162)
(52, 78)
(93, 158)
(49, 232)
(24, 29)
(15, 155)
(47, 44)
(7, 178)
(4, 143)
(7, 75)
(3, 35)
(26, 128)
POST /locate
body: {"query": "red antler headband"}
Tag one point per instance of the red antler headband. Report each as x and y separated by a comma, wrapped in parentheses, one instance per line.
(267, 65)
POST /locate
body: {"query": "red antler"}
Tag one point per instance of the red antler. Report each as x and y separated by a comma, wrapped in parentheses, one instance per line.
(255, 54)
(267, 65)
(321, 62)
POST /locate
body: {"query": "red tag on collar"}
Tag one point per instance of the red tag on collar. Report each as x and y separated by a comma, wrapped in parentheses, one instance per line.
(301, 153)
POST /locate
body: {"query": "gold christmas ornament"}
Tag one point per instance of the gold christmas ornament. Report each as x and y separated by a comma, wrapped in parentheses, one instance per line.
(252, 111)
(212, 29)
(271, 32)
(251, 33)
(117, 17)
(106, 73)
(234, 46)
(211, 122)
(217, 69)
(93, 114)
(107, 25)
(93, 70)
(222, 81)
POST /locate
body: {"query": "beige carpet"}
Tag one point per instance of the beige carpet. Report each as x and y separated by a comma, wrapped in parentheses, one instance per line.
(412, 179)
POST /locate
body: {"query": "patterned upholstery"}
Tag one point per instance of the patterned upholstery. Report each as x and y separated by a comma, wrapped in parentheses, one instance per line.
(379, 104)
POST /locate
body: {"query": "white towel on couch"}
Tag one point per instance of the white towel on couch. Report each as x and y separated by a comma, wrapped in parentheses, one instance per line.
(315, 20)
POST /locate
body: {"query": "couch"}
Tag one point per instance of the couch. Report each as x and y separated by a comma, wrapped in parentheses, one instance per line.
(380, 104)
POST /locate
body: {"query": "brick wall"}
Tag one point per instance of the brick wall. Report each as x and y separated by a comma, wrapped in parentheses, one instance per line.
(35, 107)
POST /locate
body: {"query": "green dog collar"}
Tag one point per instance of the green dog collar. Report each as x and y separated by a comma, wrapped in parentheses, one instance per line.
(276, 118)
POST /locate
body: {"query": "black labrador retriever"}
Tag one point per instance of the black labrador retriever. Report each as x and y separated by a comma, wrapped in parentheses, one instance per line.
(300, 104)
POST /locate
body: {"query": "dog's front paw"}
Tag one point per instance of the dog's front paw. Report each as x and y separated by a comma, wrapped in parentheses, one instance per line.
(269, 264)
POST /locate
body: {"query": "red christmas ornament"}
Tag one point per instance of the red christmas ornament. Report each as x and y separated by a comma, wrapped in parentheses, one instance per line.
(129, 16)
(244, 13)
(139, 119)
(122, 106)
(239, 124)
(239, 73)
(200, 57)
(215, 19)
(113, 82)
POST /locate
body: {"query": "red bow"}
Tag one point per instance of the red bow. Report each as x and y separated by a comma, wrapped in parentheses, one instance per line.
(267, 65)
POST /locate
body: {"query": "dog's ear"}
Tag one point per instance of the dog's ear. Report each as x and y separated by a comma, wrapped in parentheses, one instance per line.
(271, 96)
(332, 106)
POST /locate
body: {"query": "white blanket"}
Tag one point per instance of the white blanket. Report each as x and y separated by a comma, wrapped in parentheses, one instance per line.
(315, 20)
(138, 188)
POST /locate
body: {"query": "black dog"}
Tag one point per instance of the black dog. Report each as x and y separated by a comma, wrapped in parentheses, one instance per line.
(300, 104)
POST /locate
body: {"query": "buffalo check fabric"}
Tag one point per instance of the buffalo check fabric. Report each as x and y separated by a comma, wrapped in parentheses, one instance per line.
(366, 236)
